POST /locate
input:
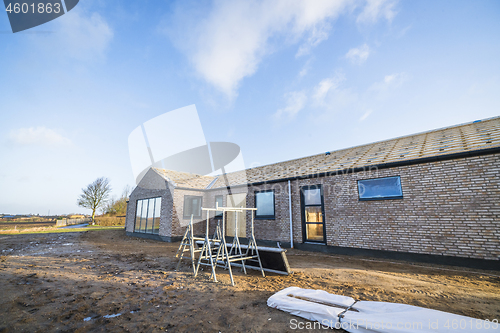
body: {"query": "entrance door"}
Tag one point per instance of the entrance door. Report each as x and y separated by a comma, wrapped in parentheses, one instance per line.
(236, 200)
(313, 213)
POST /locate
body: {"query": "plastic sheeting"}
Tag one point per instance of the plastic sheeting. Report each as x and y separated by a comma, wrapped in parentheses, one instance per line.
(344, 312)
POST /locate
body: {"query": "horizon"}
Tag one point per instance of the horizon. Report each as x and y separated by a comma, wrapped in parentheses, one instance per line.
(283, 80)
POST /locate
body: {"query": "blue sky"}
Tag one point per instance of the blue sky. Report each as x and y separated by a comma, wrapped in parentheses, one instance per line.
(282, 79)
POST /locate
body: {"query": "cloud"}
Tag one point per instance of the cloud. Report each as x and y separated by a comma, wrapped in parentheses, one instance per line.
(227, 44)
(317, 35)
(331, 96)
(389, 82)
(295, 101)
(365, 115)
(79, 35)
(396, 78)
(305, 69)
(376, 9)
(38, 136)
(325, 86)
(327, 95)
(86, 36)
(358, 55)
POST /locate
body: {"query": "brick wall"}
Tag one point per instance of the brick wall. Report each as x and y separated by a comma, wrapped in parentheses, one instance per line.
(152, 186)
(179, 223)
(449, 208)
(165, 214)
(277, 229)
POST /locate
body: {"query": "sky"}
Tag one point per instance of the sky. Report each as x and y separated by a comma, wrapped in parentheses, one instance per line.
(282, 79)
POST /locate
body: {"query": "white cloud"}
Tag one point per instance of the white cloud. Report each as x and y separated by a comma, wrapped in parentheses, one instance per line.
(365, 115)
(305, 69)
(317, 35)
(326, 96)
(396, 78)
(86, 36)
(376, 9)
(331, 96)
(325, 86)
(358, 55)
(295, 101)
(38, 136)
(79, 35)
(228, 44)
(390, 81)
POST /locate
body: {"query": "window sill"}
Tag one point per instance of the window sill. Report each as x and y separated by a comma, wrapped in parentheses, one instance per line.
(379, 199)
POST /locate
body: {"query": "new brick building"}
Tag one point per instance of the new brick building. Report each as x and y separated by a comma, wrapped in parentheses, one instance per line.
(432, 196)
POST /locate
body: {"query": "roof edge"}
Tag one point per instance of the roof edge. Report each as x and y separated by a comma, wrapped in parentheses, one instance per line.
(474, 153)
(380, 141)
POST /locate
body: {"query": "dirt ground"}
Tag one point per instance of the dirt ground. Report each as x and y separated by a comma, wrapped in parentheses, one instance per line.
(100, 281)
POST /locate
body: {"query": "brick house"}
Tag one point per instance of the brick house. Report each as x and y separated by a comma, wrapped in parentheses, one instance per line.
(432, 196)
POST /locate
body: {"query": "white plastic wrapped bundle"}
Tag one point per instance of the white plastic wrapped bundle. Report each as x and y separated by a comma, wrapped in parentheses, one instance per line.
(338, 311)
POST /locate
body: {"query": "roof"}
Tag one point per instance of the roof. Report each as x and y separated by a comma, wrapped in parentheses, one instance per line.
(470, 137)
(185, 179)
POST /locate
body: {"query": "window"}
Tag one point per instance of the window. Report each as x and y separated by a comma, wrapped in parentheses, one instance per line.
(264, 202)
(380, 188)
(218, 203)
(192, 206)
(147, 218)
(313, 224)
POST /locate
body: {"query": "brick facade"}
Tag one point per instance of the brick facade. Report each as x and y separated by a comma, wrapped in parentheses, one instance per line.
(449, 208)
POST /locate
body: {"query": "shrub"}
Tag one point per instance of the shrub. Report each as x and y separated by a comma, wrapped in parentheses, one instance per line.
(107, 221)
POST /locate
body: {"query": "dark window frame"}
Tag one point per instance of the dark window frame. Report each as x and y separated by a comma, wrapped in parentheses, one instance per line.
(302, 213)
(219, 215)
(265, 217)
(394, 197)
(152, 229)
(190, 197)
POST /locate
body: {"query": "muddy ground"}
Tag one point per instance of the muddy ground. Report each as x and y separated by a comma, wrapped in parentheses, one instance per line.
(80, 282)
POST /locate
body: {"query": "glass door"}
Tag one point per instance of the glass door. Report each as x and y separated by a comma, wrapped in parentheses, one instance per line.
(313, 224)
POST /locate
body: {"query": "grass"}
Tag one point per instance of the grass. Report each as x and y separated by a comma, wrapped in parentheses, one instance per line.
(49, 230)
(18, 227)
(31, 220)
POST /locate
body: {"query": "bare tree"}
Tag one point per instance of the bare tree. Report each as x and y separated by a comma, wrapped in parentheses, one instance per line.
(127, 191)
(95, 195)
(118, 206)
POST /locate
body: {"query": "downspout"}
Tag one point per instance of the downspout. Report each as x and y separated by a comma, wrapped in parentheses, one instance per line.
(290, 208)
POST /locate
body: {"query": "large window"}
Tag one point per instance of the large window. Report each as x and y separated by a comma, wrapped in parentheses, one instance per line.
(218, 203)
(264, 202)
(313, 223)
(380, 188)
(147, 219)
(192, 206)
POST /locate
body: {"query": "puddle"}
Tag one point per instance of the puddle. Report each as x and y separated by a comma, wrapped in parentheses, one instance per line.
(113, 315)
